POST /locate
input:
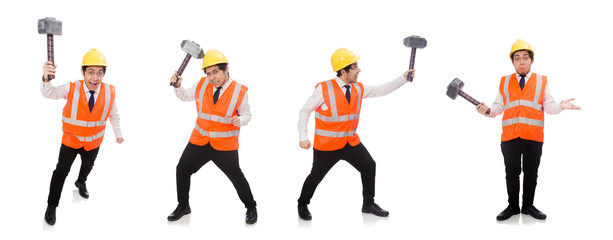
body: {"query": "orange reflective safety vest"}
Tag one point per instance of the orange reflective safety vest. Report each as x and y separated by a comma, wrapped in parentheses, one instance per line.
(213, 124)
(523, 109)
(81, 127)
(337, 125)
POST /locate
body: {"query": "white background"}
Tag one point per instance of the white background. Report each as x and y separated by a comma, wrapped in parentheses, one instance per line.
(439, 168)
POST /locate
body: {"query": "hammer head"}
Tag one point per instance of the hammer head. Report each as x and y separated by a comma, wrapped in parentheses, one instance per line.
(192, 48)
(454, 88)
(49, 25)
(415, 42)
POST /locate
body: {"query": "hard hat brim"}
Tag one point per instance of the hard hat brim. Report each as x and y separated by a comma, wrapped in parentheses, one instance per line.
(511, 55)
(213, 64)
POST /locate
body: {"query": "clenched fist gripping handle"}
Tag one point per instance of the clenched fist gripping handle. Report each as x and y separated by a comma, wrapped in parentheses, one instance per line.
(455, 88)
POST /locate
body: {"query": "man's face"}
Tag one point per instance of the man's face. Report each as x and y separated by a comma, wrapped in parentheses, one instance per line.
(216, 76)
(93, 76)
(522, 62)
(352, 75)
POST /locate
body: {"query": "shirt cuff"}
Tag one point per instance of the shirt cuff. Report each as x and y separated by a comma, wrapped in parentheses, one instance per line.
(117, 133)
(303, 137)
(244, 120)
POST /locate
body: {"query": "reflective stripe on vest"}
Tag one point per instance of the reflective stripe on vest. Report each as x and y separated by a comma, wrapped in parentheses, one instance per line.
(334, 134)
(337, 119)
(533, 104)
(75, 106)
(217, 134)
(201, 98)
(214, 118)
(334, 111)
(523, 120)
(90, 138)
(332, 98)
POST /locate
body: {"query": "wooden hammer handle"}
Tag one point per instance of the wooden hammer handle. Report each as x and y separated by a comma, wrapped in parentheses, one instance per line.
(471, 100)
(50, 54)
(411, 64)
(182, 68)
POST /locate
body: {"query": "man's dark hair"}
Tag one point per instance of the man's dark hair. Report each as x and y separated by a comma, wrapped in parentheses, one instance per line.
(338, 73)
(221, 66)
(103, 68)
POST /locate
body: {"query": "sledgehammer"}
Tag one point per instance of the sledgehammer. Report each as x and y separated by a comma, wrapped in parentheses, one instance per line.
(414, 42)
(51, 27)
(455, 88)
(193, 50)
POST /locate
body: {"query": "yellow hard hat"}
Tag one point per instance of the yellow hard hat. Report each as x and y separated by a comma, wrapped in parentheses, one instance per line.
(520, 45)
(213, 57)
(341, 58)
(94, 58)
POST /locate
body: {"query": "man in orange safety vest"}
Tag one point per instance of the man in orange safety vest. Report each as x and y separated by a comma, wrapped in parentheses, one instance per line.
(337, 104)
(90, 102)
(223, 107)
(524, 97)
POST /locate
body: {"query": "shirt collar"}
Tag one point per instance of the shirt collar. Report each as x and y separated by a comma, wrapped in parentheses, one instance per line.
(527, 76)
(340, 82)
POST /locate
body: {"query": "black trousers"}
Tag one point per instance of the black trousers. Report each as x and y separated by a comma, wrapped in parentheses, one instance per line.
(194, 157)
(323, 161)
(65, 160)
(513, 151)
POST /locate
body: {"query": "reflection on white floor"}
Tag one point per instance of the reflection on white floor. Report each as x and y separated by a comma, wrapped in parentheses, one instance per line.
(76, 198)
(183, 222)
(526, 220)
(371, 220)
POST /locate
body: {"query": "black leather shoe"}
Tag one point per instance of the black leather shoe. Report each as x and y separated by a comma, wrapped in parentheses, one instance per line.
(507, 213)
(82, 189)
(375, 209)
(179, 212)
(251, 215)
(50, 215)
(303, 212)
(532, 211)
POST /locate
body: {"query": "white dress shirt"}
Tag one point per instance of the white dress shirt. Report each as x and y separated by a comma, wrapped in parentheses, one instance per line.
(317, 99)
(53, 92)
(550, 106)
(188, 95)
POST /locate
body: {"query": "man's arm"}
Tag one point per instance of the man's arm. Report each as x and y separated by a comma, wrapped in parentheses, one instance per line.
(186, 95)
(550, 106)
(315, 100)
(114, 119)
(496, 109)
(47, 88)
(388, 87)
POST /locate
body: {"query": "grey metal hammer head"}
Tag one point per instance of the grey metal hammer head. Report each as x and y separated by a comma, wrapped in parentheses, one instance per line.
(49, 25)
(415, 41)
(454, 88)
(192, 48)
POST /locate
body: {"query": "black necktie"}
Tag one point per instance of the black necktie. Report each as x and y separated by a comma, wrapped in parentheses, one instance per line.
(348, 93)
(522, 81)
(216, 95)
(91, 100)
